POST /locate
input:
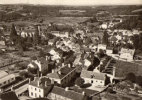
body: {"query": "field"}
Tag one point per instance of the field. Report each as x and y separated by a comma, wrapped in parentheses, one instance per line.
(63, 20)
(123, 68)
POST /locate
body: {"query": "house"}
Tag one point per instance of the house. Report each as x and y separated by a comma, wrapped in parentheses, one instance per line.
(59, 93)
(109, 50)
(127, 54)
(3, 48)
(2, 42)
(64, 75)
(93, 47)
(55, 54)
(39, 87)
(101, 47)
(41, 64)
(96, 79)
(60, 34)
(6, 78)
(51, 42)
(87, 62)
(104, 26)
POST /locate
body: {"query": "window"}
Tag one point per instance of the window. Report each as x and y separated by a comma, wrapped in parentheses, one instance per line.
(91, 81)
(35, 88)
(35, 95)
(31, 93)
(96, 81)
(4, 82)
(39, 90)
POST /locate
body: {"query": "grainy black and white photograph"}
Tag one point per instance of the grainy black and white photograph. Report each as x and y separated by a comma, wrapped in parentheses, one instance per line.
(70, 49)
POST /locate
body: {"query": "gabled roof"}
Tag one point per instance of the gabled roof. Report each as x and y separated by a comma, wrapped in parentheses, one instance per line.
(93, 75)
(3, 73)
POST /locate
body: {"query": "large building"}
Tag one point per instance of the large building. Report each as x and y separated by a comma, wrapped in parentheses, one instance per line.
(96, 79)
(39, 87)
(127, 54)
(41, 64)
(59, 93)
(6, 78)
(64, 75)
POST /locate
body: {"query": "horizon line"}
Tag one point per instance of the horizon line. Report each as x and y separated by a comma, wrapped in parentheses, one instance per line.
(71, 4)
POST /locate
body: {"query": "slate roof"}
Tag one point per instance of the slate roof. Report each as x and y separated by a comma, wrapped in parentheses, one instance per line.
(64, 71)
(8, 96)
(68, 94)
(90, 74)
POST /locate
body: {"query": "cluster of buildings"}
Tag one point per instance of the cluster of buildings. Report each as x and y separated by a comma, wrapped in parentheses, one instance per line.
(68, 54)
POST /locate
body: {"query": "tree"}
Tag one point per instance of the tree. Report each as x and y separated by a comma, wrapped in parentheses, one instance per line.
(139, 80)
(79, 81)
(24, 74)
(140, 41)
(20, 44)
(36, 38)
(41, 53)
(13, 34)
(101, 53)
(131, 77)
(105, 38)
(33, 70)
(135, 40)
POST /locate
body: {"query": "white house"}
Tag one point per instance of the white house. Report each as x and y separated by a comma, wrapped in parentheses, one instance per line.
(109, 50)
(127, 54)
(6, 78)
(60, 34)
(101, 47)
(94, 78)
(39, 87)
(104, 26)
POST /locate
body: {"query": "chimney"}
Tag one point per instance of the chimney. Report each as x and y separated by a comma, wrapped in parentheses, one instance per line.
(53, 70)
(67, 88)
(46, 58)
(34, 78)
(63, 65)
(46, 83)
(59, 72)
(69, 65)
(83, 93)
(29, 80)
(12, 88)
(38, 83)
(114, 71)
(52, 81)
(41, 75)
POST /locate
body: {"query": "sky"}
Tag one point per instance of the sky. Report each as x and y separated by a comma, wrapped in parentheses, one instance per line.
(74, 2)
